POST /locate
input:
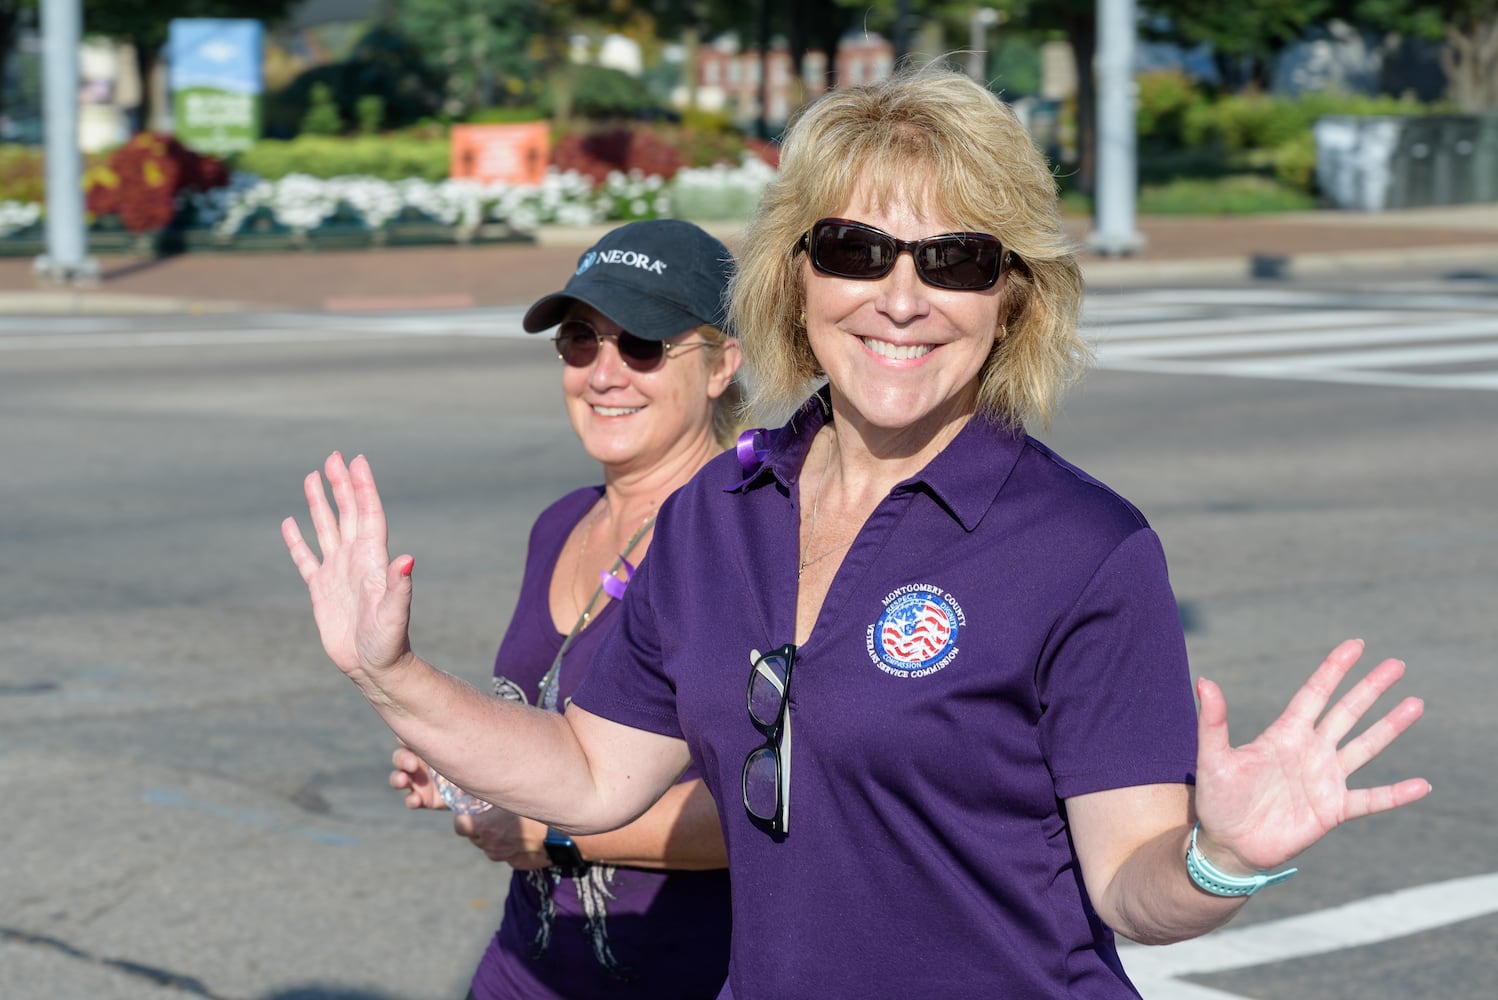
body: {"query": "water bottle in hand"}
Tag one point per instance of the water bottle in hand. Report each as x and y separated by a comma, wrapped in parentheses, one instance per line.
(458, 800)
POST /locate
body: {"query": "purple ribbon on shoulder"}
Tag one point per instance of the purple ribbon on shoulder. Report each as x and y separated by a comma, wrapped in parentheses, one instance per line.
(751, 449)
(612, 585)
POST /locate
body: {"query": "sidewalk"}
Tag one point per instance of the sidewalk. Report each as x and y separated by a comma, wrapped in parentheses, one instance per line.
(487, 275)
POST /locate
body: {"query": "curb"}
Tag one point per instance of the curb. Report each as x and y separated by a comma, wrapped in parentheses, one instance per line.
(1096, 271)
(1270, 266)
(85, 301)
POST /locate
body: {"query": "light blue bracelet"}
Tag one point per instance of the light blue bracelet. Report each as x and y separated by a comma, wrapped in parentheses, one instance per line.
(1209, 878)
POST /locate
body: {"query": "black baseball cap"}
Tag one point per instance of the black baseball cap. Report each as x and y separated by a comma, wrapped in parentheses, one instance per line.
(655, 278)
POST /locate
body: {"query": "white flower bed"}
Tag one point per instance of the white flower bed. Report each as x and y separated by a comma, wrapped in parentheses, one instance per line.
(301, 203)
(18, 215)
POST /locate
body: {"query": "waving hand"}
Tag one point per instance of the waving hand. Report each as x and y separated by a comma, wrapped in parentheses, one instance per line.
(361, 599)
(1263, 803)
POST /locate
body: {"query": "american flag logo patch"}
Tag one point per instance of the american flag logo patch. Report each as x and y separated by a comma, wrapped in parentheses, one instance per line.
(917, 633)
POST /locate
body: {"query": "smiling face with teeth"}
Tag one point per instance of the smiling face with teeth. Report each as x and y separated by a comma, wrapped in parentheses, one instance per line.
(646, 422)
(902, 357)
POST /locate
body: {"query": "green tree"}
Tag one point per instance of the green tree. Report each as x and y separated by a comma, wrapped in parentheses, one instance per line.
(1467, 29)
(479, 48)
(1245, 36)
(13, 14)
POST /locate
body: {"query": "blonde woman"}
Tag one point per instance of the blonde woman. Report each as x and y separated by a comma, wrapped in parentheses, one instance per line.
(933, 674)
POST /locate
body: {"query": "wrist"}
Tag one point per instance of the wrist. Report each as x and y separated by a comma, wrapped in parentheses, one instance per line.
(389, 690)
(1221, 857)
(1218, 881)
(563, 852)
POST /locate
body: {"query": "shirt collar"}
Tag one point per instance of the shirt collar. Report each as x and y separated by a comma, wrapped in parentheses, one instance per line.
(964, 478)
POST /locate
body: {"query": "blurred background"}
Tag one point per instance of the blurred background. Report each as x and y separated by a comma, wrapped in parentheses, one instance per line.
(353, 118)
(320, 224)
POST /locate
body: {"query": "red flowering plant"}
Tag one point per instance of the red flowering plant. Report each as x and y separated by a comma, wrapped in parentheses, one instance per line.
(144, 179)
(598, 154)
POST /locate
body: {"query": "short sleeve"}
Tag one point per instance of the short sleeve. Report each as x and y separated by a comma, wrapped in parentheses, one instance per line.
(1114, 682)
(627, 681)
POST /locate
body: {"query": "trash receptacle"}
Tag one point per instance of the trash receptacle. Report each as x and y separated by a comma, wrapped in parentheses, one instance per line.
(1355, 160)
(1378, 163)
(1485, 160)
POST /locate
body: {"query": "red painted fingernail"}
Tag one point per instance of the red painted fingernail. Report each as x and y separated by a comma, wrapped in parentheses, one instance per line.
(408, 567)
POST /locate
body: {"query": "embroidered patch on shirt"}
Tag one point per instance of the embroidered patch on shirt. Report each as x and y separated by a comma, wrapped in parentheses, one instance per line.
(917, 633)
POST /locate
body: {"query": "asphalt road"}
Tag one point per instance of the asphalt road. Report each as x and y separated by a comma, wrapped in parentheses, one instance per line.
(194, 800)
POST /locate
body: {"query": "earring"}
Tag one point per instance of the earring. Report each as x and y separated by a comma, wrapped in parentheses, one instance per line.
(801, 320)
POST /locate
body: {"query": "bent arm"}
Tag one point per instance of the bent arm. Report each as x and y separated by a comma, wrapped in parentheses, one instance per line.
(577, 772)
(1259, 805)
(680, 832)
(1131, 843)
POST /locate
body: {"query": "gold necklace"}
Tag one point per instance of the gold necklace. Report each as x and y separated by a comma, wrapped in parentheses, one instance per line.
(811, 532)
(577, 567)
(586, 613)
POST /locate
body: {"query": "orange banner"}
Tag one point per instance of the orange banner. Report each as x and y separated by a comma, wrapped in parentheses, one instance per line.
(513, 154)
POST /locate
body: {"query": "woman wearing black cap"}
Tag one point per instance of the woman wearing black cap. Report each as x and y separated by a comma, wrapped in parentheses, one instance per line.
(648, 383)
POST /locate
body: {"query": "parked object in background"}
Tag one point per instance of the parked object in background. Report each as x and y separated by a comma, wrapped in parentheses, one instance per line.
(1379, 163)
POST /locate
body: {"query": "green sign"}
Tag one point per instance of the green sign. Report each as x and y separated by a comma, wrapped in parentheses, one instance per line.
(216, 83)
(216, 121)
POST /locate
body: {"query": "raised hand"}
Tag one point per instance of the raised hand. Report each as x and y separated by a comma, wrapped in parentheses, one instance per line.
(1263, 803)
(361, 599)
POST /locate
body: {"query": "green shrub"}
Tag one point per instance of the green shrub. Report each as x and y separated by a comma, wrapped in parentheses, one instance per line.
(1258, 121)
(370, 110)
(23, 171)
(708, 122)
(504, 116)
(1247, 194)
(390, 158)
(1294, 162)
(601, 92)
(23, 174)
(1165, 99)
(322, 117)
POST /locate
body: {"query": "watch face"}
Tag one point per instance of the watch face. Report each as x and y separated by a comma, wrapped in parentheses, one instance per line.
(564, 853)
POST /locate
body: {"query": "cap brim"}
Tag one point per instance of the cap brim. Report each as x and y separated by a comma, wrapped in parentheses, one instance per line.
(642, 315)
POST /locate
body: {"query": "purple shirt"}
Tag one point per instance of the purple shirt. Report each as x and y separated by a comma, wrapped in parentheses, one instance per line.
(1000, 636)
(615, 932)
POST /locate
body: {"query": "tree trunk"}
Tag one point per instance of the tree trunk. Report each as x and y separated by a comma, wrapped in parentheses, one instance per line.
(796, 46)
(145, 65)
(691, 44)
(9, 19)
(1082, 33)
(1470, 60)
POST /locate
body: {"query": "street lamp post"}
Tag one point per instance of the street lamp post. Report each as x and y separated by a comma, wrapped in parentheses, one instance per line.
(1117, 181)
(977, 56)
(66, 260)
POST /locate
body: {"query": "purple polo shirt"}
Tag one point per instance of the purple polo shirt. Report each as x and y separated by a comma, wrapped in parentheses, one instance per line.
(1000, 636)
(651, 935)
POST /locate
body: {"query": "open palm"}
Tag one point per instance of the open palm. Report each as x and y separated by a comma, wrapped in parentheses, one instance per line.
(1265, 802)
(361, 600)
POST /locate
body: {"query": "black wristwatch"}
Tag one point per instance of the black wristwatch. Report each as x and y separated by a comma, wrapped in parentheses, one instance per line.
(563, 852)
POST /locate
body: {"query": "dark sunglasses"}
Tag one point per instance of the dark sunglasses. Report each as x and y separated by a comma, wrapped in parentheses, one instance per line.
(963, 262)
(767, 769)
(578, 344)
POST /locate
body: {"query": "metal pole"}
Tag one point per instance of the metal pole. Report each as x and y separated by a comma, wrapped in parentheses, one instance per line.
(1117, 167)
(977, 54)
(66, 259)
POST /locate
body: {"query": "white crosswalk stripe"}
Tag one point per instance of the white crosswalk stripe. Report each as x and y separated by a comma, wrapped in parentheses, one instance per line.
(1417, 339)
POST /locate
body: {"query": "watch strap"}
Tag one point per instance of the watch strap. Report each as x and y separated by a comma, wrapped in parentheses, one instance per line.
(1209, 878)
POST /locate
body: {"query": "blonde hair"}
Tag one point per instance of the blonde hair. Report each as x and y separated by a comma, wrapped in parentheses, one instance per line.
(934, 138)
